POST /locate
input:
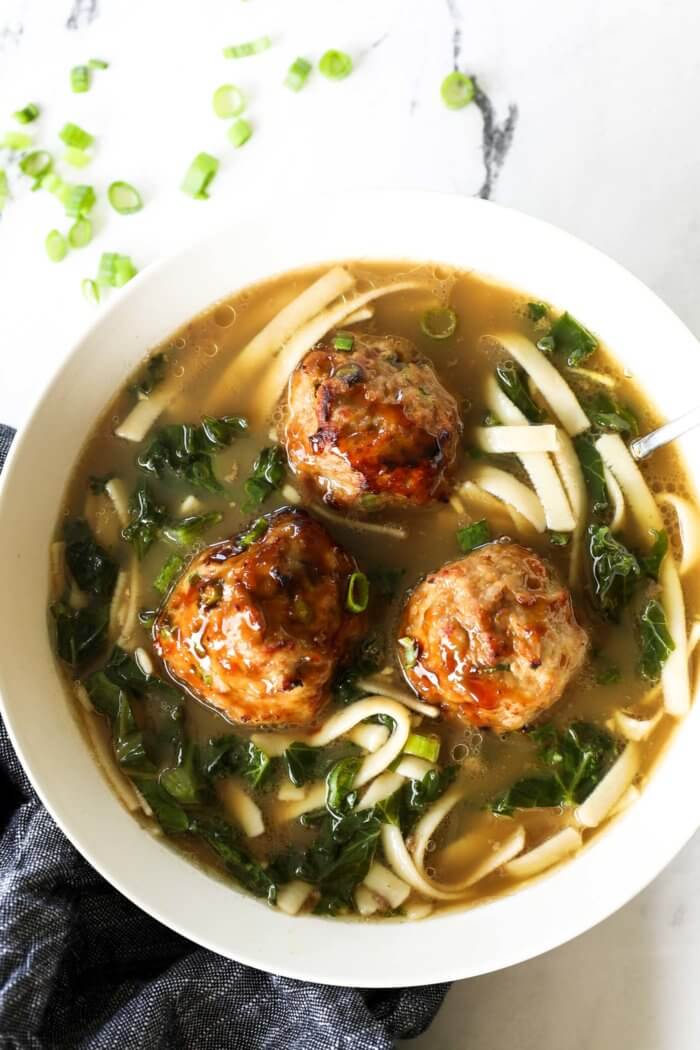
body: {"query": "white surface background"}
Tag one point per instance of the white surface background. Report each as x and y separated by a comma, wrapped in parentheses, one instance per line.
(606, 146)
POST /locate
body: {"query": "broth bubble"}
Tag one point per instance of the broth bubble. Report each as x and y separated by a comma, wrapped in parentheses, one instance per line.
(225, 315)
(179, 343)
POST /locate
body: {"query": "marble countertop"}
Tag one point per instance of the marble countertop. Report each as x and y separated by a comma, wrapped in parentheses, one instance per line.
(586, 117)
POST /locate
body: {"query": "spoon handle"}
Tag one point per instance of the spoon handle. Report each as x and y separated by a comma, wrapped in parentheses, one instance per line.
(642, 447)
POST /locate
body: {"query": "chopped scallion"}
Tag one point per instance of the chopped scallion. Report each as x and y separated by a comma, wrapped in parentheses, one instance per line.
(439, 323)
(457, 90)
(4, 189)
(254, 533)
(427, 747)
(115, 270)
(336, 65)
(52, 182)
(78, 200)
(77, 158)
(251, 47)
(56, 246)
(74, 135)
(228, 101)
(344, 341)
(239, 132)
(79, 79)
(297, 74)
(98, 63)
(27, 114)
(199, 176)
(559, 539)
(124, 198)
(16, 140)
(357, 598)
(409, 652)
(36, 164)
(90, 290)
(80, 233)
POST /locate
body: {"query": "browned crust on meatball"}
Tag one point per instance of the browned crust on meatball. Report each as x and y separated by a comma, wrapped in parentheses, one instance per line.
(496, 638)
(373, 426)
(256, 631)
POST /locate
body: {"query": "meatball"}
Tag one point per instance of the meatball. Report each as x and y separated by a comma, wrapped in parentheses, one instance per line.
(373, 426)
(492, 637)
(255, 625)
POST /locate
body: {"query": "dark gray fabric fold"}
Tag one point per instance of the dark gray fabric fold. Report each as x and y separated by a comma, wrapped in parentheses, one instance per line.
(82, 967)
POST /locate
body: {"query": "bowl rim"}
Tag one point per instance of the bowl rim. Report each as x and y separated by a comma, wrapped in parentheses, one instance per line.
(352, 958)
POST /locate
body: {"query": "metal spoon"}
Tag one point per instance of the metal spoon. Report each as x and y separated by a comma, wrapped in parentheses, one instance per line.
(643, 446)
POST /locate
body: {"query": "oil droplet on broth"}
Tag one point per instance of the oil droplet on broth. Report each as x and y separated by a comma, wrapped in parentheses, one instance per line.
(225, 315)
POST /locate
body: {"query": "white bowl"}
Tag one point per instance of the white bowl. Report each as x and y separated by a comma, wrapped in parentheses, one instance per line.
(472, 234)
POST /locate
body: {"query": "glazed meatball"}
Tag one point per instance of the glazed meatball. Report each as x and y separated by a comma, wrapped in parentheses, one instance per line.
(493, 637)
(256, 624)
(373, 426)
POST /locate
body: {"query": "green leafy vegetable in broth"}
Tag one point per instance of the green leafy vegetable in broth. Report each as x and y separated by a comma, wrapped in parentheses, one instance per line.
(129, 746)
(407, 805)
(170, 570)
(90, 566)
(80, 633)
(593, 474)
(473, 535)
(187, 531)
(152, 375)
(365, 660)
(234, 756)
(559, 539)
(267, 475)
(184, 451)
(655, 640)
(146, 520)
(606, 413)
(651, 562)
(173, 819)
(222, 838)
(610, 675)
(615, 571)
(182, 780)
(513, 382)
(571, 338)
(574, 761)
(340, 797)
(301, 762)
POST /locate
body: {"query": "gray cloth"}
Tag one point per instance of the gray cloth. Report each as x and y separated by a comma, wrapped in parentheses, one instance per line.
(82, 967)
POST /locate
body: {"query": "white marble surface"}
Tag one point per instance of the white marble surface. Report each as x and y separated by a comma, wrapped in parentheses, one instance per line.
(605, 145)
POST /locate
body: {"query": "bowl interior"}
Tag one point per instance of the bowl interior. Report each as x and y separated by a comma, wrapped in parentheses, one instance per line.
(644, 335)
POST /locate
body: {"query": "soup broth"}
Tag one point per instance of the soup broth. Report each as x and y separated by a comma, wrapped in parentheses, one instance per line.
(466, 809)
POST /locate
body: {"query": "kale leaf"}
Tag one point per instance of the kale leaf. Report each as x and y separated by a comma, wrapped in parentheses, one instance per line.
(571, 338)
(366, 659)
(267, 475)
(80, 633)
(407, 805)
(90, 566)
(222, 838)
(655, 640)
(473, 535)
(607, 414)
(513, 382)
(594, 476)
(146, 520)
(651, 563)
(233, 755)
(184, 451)
(615, 570)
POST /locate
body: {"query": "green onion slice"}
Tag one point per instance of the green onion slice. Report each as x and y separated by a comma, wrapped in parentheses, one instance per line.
(80, 79)
(16, 140)
(90, 290)
(251, 47)
(77, 158)
(74, 135)
(357, 598)
(409, 652)
(228, 101)
(52, 182)
(297, 74)
(98, 63)
(343, 341)
(4, 189)
(78, 200)
(56, 246)
(36, 164)
(115, 270)
(199, 175)
(254, 533)
(336, 65)
(427, 747)
(80, 233)
(124, 198)
(439, 323)
(457, 90)
(27, 114)
(559, 539)
(239, 132)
